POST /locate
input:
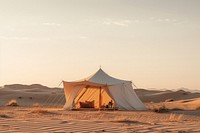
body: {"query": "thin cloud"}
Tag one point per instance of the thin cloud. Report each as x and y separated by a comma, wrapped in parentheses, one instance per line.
(117, 22)
(163, 20)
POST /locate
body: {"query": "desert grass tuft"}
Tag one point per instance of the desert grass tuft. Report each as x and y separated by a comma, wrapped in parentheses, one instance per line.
(36, 105)
(169, 100)
(4, 116)
(175, 117)
(198, 108)
(40, 111)
(12, 103)
(159, 108)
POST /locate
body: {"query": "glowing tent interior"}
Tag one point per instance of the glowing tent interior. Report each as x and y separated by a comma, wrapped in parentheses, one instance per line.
(101, 91)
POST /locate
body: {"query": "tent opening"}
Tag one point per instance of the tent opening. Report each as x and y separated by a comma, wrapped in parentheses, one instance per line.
(93, 98)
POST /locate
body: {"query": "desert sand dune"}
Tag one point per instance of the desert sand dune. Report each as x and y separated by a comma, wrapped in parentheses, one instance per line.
(41, 93)
(161, 96)
(27, 95)
(40, 110)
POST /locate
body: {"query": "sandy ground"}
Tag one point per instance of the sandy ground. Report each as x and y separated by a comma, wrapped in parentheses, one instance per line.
(180, 115)
(34, 119)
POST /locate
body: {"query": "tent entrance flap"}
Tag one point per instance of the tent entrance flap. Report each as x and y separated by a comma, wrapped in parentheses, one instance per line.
(92, 98)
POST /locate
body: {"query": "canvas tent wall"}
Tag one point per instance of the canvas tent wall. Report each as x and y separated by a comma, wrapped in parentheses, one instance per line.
(120, 91)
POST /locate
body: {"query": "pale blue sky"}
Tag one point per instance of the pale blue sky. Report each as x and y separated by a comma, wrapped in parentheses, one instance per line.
(154, 43)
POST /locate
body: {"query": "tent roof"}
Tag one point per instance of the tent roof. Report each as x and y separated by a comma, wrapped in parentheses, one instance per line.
(100, 77)
(85, 83)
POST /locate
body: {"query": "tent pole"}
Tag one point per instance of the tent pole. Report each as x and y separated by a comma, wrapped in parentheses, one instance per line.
(100, 98)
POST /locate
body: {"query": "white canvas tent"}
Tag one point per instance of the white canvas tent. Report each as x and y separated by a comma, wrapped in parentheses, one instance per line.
(102, 88)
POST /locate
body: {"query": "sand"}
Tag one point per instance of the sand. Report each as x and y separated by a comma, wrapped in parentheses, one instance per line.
(26, 119)
(179, 116)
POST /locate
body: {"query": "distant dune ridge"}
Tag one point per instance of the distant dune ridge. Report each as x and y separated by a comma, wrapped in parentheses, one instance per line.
(21, 86)
(27, 95)
(161, 96)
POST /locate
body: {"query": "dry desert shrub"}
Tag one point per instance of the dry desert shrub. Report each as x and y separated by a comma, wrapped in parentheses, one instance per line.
(198, 108)
(4, 116)
(184, 131)
(175, 117)
(158, 108)
(186, 101)
(169, 100)
(36, 105)
(39, 111)
(12, 103)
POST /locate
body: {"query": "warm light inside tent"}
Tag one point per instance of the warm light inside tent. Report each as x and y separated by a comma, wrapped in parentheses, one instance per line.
(96, 97)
